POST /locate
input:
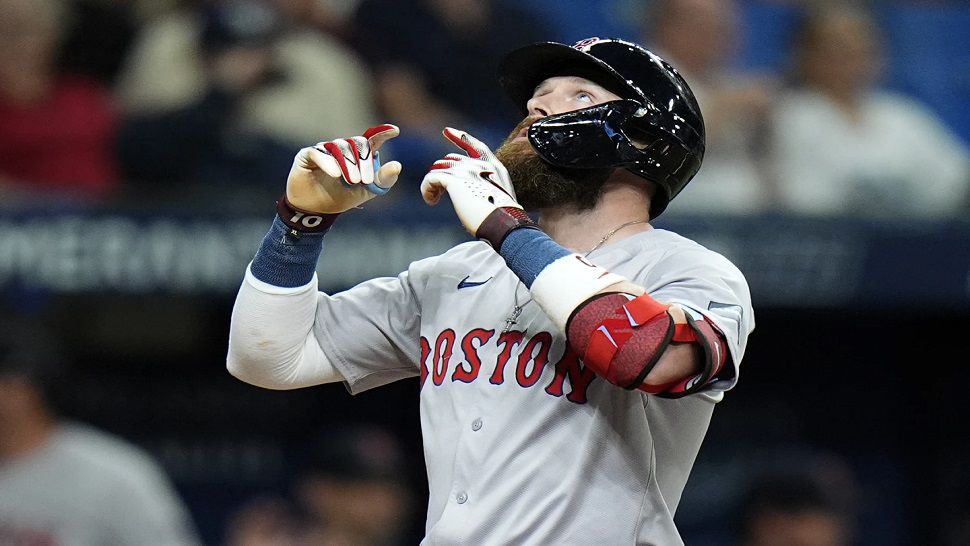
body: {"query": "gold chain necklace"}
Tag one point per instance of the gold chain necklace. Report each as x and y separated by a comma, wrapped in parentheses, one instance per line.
(513, 317)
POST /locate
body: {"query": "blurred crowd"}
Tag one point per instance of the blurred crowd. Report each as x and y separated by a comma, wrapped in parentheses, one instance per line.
(65, 481)
(349, 489)
(180, 100)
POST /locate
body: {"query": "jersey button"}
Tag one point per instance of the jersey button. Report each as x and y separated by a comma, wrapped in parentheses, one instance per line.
(476, 424)
(461, 497)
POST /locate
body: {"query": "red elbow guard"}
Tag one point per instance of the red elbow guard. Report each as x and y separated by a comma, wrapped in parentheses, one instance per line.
(619, 338)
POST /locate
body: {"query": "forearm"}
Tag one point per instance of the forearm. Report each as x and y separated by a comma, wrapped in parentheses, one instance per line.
(629, 338)
(559, 280)
(273, 335)
(271, 338)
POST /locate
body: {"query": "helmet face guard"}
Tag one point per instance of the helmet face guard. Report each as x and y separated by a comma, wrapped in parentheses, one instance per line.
(591, 138)
(620, 133)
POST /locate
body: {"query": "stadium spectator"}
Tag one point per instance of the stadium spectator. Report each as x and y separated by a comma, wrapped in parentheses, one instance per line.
(701, 38)
(352, 488)
(792, 510)
(57, 130)
(349, 490)
(222, 94)
(843, 146)
(63, 482)
(331, 17)
(263, 521)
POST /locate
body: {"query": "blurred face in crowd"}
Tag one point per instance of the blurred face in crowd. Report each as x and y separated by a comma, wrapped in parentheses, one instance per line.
(23, 414)
(470, 15)
(29, 36)
(11, 398)
(840, 52)
(357, 511)
(700, 35)
(538, 184)
(806, 528)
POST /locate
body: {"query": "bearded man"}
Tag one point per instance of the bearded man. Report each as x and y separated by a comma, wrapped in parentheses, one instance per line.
(569, 367)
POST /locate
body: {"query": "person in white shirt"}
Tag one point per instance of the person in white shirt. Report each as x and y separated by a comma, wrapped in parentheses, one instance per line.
(843, 146)
(702, 38)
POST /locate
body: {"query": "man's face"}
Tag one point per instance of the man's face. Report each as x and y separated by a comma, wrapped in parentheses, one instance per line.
(538, 184)
(843, 54)
(16, 395)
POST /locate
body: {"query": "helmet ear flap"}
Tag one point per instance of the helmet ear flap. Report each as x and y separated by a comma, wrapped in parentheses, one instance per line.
(640, 138)
(658, 147)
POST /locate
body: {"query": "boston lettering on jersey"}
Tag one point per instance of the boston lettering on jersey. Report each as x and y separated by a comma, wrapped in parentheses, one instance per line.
(517, 358)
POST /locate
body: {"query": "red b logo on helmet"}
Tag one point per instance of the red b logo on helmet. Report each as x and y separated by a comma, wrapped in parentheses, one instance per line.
(584, 45)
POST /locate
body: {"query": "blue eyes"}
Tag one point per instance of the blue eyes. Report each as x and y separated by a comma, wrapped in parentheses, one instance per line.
(581, 96)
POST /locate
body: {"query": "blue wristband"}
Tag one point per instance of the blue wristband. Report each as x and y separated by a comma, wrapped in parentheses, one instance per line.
(284, 260)
(528, 251)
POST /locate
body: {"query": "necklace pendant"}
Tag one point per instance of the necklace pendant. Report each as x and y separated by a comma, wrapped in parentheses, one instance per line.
(512, 319)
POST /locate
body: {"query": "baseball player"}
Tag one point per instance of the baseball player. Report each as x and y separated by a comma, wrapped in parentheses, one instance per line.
(569, 368)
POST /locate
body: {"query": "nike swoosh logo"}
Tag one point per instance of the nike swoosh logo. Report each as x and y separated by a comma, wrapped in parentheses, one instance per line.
(465, 283)
(487, 175)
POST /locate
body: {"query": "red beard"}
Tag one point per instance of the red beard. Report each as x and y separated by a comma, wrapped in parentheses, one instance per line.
(539, 184)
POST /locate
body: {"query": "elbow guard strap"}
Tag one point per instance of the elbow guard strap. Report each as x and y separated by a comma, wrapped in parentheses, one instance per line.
(621, 337)
(702, 332)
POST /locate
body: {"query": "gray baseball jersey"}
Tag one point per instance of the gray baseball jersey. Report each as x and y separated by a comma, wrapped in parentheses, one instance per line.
(523, 444)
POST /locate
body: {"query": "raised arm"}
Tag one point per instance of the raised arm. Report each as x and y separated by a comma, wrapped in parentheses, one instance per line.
(272, 339)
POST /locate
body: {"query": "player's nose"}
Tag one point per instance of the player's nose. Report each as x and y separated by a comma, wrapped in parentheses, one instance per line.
(538, 107)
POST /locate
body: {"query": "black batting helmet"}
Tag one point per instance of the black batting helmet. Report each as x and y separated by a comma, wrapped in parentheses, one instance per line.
(656, 131)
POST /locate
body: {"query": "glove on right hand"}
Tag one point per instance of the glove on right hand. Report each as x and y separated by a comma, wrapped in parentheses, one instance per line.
(479, 187)
(332, 177)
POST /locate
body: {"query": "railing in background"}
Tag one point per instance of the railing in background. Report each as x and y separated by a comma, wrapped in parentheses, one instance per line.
(789, 262)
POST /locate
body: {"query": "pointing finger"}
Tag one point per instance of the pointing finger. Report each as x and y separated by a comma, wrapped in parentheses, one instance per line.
(380, 134)
(472, 146)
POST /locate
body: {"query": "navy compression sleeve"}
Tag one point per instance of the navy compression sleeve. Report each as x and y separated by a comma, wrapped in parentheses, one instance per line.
(284, 260)
(528, 251)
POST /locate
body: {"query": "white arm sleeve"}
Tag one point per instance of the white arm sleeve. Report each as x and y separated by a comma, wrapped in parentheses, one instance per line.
(271, 340)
